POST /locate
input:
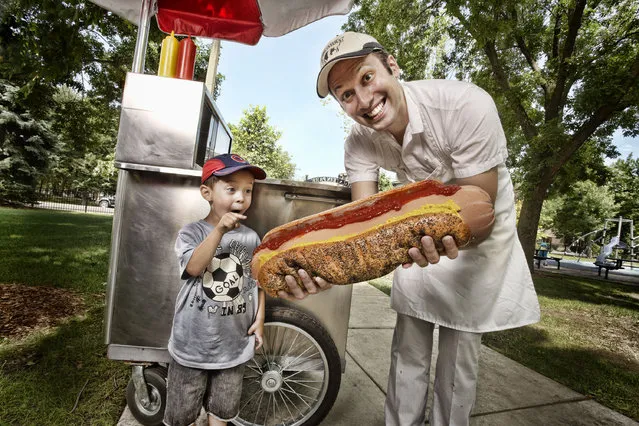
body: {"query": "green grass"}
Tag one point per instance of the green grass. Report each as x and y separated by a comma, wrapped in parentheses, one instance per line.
(42, 375)
(587, 339)
(384, 283)
(53, 248)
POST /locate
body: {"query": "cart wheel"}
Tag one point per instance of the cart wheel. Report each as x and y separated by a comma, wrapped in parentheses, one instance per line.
(152, 413)
(294, 378)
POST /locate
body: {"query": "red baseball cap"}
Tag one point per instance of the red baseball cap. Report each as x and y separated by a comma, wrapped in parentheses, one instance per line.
(225, 164)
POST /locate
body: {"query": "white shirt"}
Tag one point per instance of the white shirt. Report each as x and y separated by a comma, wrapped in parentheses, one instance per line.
(454, 131)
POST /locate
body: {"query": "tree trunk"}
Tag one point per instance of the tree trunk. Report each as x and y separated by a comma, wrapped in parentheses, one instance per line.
(529, 220)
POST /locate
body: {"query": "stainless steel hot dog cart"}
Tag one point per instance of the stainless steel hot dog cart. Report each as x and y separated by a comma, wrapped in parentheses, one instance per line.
(295, 378)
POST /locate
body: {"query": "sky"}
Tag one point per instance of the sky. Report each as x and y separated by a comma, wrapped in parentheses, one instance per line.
(280, 73)
(625, 146)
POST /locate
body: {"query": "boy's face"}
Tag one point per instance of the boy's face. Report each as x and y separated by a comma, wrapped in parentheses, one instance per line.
(369, 94)
(232, 193)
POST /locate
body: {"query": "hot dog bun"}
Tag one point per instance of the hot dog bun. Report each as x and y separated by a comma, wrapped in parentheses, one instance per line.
(369, 238)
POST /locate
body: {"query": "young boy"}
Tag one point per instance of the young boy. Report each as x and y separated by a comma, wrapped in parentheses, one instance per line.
(219, 312)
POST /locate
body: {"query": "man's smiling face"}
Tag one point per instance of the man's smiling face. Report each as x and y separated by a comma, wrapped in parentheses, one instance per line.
(369, 94)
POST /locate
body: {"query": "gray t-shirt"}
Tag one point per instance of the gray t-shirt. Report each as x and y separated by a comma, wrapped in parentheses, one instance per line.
(214, 311)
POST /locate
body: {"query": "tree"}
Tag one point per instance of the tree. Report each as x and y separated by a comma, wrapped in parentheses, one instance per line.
(256, 140)
(384, 183)
(625, 186)
(563, 74)
(548, 215)
(68, 62)
(49, 43)
(26, 146)
(86, 142)
(202, 65)
(583, 210)
(45, 44)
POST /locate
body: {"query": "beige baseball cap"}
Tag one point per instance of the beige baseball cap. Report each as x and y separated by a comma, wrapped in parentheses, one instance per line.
(344, 46)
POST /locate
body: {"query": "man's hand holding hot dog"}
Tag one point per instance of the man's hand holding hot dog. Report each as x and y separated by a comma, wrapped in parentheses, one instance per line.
(311, 286)
(429, 253)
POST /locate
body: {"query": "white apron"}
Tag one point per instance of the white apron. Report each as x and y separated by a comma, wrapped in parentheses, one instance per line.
(486, 288)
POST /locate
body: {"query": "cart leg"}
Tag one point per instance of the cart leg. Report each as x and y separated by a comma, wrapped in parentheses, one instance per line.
(146, 394)
(141, 391)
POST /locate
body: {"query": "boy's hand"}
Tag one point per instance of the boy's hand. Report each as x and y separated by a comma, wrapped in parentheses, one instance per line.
(229, 221)
(258, 329)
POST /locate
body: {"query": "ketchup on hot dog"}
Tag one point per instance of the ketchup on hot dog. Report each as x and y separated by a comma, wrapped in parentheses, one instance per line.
(380, 206)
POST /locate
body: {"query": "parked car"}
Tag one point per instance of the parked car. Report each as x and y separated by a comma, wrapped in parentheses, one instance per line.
(106, 201)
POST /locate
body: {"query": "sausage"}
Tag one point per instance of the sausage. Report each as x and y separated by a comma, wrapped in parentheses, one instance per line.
(369, 238)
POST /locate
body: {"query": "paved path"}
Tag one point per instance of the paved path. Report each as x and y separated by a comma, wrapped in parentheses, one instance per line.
(508, 393)
(627, 275)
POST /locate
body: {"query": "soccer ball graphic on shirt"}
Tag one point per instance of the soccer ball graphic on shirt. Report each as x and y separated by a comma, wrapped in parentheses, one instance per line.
(223, 279)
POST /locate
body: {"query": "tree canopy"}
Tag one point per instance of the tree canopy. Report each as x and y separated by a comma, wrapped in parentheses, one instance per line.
(65, 64)
(564, 75)
(256, 140)
(624, 184)
(26, 145)
(584, 210)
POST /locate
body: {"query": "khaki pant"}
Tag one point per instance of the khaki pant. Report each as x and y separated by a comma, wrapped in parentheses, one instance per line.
(455, 374)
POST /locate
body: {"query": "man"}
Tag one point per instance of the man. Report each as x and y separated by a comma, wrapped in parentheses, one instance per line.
(449, 131)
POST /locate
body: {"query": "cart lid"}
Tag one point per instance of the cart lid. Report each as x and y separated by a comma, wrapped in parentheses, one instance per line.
(243, 21)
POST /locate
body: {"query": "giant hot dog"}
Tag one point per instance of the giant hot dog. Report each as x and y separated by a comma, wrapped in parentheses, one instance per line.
(370, 237)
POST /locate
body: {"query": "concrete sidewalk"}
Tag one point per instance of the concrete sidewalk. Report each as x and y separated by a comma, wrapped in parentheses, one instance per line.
(508, 393)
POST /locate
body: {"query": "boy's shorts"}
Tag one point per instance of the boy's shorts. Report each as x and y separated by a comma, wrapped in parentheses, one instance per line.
(188, 389)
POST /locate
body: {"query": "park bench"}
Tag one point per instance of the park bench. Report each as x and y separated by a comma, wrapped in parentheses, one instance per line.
(620, 262)
(540, 258)
(608, 266)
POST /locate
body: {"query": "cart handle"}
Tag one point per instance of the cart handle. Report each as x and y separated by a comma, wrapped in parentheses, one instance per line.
(304, 197)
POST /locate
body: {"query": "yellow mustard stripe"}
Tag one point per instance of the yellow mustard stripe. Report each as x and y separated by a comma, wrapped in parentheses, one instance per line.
(449, 207)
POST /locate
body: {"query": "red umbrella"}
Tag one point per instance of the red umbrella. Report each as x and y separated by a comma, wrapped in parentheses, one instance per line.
(244, 21)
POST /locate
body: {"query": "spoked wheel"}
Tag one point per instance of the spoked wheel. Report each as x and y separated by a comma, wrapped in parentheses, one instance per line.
(294, 378)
